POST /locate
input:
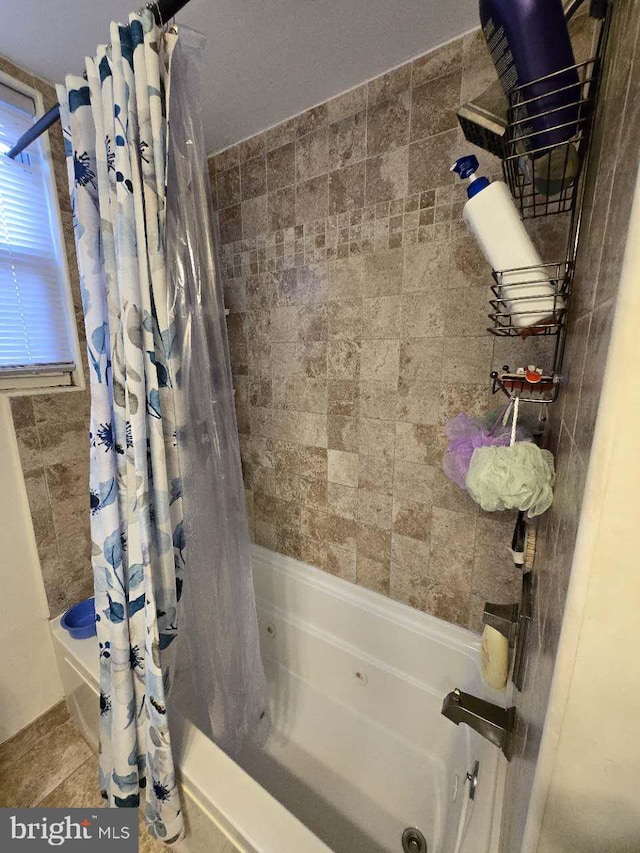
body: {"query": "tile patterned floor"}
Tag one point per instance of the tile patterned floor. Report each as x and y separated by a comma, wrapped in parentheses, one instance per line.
(48, 764)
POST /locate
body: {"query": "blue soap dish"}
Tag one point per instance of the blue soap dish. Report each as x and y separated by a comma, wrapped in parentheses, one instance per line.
(80, 620)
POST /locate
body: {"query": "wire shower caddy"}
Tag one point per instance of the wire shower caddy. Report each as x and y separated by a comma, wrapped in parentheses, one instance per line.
(528, 167)
(529, 164)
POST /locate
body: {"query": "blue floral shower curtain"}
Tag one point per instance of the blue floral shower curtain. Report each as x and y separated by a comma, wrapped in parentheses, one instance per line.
(115, 125)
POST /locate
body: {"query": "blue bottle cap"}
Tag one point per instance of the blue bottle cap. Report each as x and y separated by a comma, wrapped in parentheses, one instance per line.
(466, 167)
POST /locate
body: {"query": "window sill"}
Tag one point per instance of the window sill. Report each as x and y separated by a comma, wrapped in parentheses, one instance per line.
(20, 386)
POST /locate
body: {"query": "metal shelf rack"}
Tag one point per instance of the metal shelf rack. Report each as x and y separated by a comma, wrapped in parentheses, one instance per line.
(516, 303)
(544, 178)
(529, 167)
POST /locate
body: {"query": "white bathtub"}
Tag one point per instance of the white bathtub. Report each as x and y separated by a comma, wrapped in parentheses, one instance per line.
(359, 750)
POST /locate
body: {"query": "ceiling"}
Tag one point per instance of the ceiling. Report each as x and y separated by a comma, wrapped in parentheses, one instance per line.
(266, 60)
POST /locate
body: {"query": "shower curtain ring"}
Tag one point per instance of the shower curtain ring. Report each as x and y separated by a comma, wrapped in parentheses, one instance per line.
(154, 8)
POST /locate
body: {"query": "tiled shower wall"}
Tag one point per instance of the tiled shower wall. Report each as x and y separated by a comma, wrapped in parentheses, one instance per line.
(610, 187)
(52, 432)
(358, 327)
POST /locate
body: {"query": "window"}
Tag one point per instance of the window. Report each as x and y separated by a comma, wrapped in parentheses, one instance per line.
(38, 341)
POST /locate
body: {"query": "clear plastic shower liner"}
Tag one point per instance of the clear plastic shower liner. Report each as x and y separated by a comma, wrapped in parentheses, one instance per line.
(219, 626)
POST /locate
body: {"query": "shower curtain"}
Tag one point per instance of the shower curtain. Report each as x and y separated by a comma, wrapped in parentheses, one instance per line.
(220, 628)
(115, 125)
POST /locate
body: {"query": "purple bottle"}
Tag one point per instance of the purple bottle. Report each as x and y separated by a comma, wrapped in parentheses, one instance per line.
(529, 40)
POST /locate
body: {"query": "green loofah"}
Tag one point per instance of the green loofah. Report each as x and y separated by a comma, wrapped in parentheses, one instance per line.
(517, 477)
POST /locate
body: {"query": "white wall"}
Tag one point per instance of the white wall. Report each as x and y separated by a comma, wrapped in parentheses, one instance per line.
(587, 792)
(29, 680)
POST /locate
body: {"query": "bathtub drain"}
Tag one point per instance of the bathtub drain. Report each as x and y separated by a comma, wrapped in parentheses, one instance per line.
(413, 841)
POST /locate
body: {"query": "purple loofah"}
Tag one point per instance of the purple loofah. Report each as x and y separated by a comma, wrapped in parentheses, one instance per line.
(465, 435)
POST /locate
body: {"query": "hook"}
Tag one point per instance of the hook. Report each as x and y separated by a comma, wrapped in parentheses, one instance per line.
(154, 8)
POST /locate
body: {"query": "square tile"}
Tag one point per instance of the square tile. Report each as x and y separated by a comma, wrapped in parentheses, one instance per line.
(312, 283)
(376, 437)
(228, 187)
(443, 60)
(230, 220)
(29, 448)
(468, 358)
(348, 103)
(68, 443)
(344, 319)
(382, 273)
(343, 397)
(22, 412)
(285, 323)
(281, 134)
(341, 563)
(421, 360)
(312, 199)
(342, 500)
(381, 317)
(378, 399)
(454, 531)
(467, 311)
(430, 161)
(311, 119)
(313, 322)
(281, 209)
(410, 553)
(426, 268)
(434, 104)
(386, 176)
(419, 402)
(346, 189)
(343, 468)
(343, 360)
(423, 316)
(374, 543)
(375, 509)
(413, 481)
(343, 433)
(390, 84)
(281, 167)
(416, 443)
(253, 177)
(329, 528)
(375, 474)
(388, 124)
(409, 587)
(346, 279)
(312, 155)
(347, 141)
(380, 360)
(373, 575)
(254, 216)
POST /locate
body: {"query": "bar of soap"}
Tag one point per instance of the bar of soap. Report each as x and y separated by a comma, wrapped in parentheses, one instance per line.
(494, 656)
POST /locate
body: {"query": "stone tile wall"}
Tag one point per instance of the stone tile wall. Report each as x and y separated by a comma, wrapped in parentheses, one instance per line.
(611, 181)
(52, 432)
(358, 327)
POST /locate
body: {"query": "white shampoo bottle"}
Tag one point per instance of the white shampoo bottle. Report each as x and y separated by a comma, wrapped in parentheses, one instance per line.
(490, 214)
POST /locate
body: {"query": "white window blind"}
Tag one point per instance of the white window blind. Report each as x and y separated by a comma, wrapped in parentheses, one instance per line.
(34, 320)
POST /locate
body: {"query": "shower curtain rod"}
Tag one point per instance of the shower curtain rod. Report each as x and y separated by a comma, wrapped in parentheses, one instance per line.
(163, 11)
